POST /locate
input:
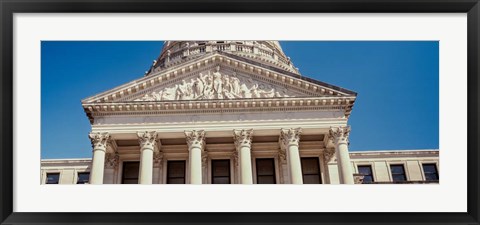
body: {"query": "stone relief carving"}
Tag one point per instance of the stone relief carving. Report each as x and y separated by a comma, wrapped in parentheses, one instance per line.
(290, 136)
(99, 140)
(242, 137)
(195, 138)
(338, 134)
(147, 139)
(157, 159)
(328, 154)
(216, 85)
(112, 160)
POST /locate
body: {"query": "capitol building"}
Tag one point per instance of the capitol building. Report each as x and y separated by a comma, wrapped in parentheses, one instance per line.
(230, 112)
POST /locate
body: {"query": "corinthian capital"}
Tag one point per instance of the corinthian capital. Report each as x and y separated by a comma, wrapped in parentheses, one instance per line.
(195, 138)
(99, 140)
(242, 137)
(338, 134)
(147, 139)
(290, 137)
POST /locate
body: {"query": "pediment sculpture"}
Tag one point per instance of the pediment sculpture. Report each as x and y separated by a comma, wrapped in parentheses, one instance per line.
(216, 85)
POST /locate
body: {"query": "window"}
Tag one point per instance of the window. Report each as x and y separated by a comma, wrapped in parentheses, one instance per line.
(221, 171)
(176, 172)
(82, 178)
(311, 171)
(130, 172)
(366, 171)
(52, 178)
(430, 171)
(265, 171)
(398, 173)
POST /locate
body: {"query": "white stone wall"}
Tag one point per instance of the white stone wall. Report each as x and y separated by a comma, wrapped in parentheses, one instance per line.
(379, 160)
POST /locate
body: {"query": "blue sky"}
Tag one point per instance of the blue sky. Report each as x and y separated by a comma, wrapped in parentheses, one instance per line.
(397, 85)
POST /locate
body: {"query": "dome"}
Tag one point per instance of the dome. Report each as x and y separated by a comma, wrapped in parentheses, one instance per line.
(266, 52)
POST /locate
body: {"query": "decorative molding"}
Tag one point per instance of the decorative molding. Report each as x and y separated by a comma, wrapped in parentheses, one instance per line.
(242, 137)
(195, 138)
(204, 159)
(216, 85)
(339, 134)
(157, 159)
(289, 137)
(328, 154)
(358, 178)
(112, 160)
(147, 139)
(99, 140)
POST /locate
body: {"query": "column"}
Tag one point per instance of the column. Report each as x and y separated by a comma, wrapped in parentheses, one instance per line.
(339, 136)
(243, 143)
(196, 142)
(289, 141)
(147, 141)
(99, 145)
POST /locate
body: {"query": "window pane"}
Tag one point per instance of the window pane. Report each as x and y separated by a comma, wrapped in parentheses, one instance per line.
(311, 179)
(130, 181)
(130, 172)
(176, 172)
(367, 179)
(83, 178)
(52, 178)
(221, 180)
(265, 167)
(430, 171)
(310, 166)
(398, 177)
(176, 169)
(397, 169)
(311, 170)
(221, 171)
(366, 171)
(265, 180)
(176, 181)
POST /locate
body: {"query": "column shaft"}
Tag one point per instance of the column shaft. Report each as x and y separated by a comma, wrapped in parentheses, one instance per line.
(98, 166)
(146, 166)
(195, 165)
(345, 169)
(246, 165)
(295, 164)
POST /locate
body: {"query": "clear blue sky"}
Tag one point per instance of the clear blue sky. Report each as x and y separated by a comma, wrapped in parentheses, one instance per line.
(397, 86)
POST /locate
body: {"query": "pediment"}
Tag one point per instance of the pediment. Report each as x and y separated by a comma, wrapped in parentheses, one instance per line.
(217, 84)
(218, 77)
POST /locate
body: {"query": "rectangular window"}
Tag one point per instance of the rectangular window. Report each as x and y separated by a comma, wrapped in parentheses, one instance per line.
(265, 171)
(367, 173)
(176, 172)
(430, 171)
(398, 173)
(221, 171)
(82, 178)
(52, 178)
(130, 172)
(311, 171)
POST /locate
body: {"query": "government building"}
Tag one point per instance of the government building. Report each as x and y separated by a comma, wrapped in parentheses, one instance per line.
(229, 112)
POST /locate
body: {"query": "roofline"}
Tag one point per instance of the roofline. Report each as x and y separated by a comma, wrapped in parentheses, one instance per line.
(337, 88)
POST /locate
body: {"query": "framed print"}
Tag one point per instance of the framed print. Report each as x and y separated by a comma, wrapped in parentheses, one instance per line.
(109, 107)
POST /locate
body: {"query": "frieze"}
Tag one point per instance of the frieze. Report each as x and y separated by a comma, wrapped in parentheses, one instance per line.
(217, 85)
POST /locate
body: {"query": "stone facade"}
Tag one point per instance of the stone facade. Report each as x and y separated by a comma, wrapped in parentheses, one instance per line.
(380, 162)
(234, 112)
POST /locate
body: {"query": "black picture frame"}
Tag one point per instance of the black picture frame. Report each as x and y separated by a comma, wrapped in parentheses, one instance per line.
(9, 7)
